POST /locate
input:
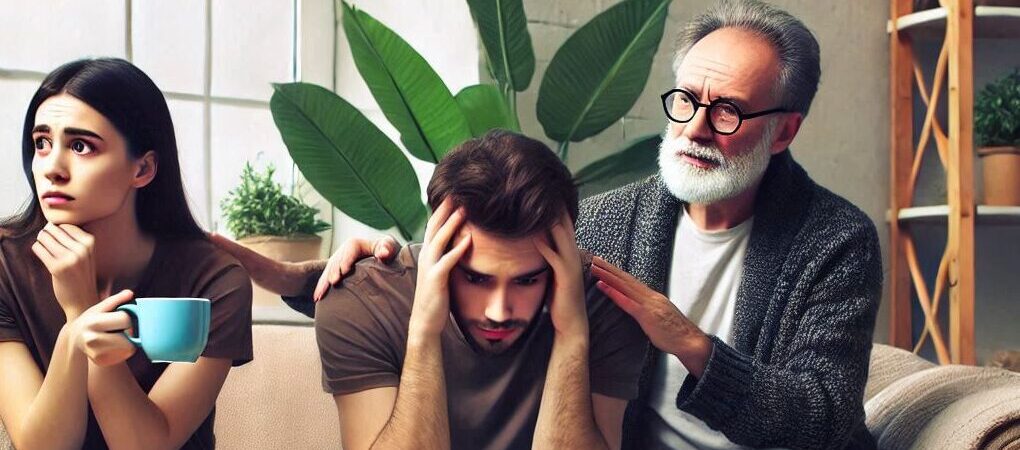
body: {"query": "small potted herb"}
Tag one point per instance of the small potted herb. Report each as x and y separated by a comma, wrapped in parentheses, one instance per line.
(997, 129)
(265, 219)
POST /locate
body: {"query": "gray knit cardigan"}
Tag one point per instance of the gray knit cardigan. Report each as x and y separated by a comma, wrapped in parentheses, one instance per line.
(794, 376)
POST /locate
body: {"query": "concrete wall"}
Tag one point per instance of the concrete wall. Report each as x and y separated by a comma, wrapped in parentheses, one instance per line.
(843, 143)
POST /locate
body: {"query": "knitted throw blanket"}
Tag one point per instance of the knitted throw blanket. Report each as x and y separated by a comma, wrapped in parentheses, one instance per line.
(948, 407)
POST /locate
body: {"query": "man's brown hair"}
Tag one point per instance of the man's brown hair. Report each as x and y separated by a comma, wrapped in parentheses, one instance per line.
(508, 184)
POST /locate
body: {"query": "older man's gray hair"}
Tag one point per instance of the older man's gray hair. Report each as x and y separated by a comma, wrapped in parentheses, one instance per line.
(797, 48)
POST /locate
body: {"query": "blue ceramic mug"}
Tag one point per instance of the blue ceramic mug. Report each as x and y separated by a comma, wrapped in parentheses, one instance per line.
(170, 329)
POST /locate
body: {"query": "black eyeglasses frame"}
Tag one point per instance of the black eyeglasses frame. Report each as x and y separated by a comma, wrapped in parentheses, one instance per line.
(741, 117)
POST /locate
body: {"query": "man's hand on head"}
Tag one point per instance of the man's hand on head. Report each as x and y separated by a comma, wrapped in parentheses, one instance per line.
(437, 259)
(567, 308)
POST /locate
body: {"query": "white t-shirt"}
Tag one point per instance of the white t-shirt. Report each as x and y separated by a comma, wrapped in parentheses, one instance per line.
(703, 283)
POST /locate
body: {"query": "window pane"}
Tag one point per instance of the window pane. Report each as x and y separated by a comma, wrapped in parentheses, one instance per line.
(46, 40)
(316, 42)
(188, 127)
(168, 43)
(13, 185)
(239, 135)
(251, 49)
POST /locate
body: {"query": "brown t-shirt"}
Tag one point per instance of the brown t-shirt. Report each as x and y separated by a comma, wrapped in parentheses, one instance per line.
(29, 312)
(493, 401)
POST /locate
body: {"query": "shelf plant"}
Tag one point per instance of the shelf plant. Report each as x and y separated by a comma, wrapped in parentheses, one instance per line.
(997, 131)
(592, 81)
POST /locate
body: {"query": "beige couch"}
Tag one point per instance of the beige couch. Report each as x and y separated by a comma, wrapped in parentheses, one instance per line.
(276, 401)
(911, 403)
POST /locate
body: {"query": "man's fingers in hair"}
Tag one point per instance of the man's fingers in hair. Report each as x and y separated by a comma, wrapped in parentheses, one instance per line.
(441, 240)
(438, 218)
(568, 224)
(549, 254)
(450, 259)
(561, 238)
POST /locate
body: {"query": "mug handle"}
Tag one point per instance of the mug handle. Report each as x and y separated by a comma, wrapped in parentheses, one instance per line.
(132, 311)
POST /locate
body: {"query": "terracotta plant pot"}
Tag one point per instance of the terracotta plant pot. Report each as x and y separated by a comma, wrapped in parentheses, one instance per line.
(1001, 168)
(289, 249)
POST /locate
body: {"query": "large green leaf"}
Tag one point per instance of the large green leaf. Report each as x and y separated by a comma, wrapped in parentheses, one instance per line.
(485, 108)
(409, 92)
(348, 159)
(598, 74)
(637, 161)
(504, 31)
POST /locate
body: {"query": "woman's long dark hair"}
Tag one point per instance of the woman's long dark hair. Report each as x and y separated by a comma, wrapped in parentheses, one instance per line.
(129, 99)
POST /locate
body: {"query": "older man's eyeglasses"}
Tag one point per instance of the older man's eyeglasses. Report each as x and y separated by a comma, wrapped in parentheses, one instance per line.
(724, 117)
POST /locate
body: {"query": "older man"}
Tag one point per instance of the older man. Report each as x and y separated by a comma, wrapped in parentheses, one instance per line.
(771, 282)
(757, 288)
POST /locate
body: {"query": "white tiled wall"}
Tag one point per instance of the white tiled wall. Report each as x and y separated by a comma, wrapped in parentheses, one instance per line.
(252, 46)
(43, 34)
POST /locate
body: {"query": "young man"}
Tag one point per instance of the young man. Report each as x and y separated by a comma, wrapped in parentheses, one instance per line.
(758, 288)
(488, 335)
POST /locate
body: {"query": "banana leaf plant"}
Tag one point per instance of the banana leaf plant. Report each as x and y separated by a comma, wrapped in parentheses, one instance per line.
(592, 81)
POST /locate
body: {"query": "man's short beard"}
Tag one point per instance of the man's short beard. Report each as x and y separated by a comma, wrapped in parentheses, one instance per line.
(726, 180)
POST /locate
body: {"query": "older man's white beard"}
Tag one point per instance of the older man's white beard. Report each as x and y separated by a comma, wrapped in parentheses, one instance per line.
(727, 179)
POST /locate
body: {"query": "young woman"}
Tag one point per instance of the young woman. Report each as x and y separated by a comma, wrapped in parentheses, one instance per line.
(107, 222)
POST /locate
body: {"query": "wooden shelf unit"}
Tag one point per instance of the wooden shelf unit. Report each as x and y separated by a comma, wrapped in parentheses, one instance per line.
(957, 23)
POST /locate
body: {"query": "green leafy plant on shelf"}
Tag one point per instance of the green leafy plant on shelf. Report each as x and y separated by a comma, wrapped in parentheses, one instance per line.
(259, 207)
(592, 81)
(997, 112)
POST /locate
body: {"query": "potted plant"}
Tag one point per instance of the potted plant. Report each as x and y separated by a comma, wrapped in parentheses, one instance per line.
(277, 225)
(997, 129)
(591, 82)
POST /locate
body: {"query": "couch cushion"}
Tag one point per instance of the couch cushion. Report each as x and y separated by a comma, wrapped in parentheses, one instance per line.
(277, 401)
(889, 364)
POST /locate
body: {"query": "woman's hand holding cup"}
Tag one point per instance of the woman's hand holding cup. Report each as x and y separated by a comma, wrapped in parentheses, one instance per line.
(98, 331)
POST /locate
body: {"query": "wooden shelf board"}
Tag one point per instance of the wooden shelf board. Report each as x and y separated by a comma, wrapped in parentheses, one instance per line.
(990, 22)
(986, 215)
